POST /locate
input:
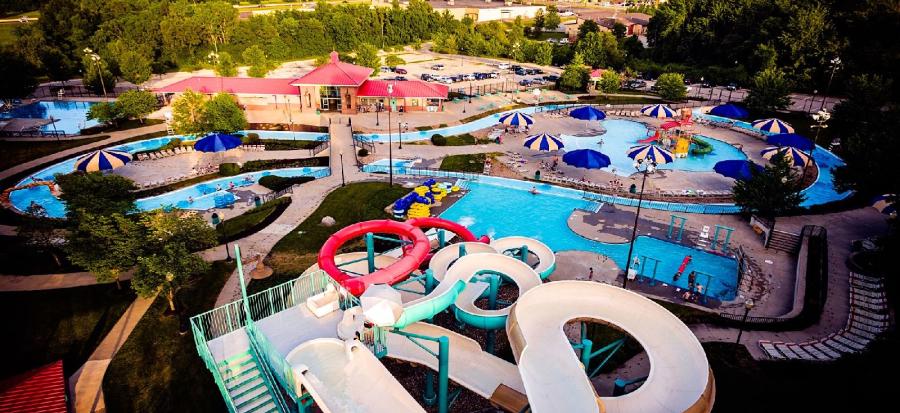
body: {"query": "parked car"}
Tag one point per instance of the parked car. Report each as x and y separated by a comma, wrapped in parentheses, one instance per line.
(437, 67)
(402, 78)
(524, 82)
(515, 67)
(425, 76)
(503, 66)
(564, 40)
(706, 84)
(551, 78)
(635, 84)
(732, 86)
(493, 75)
(400, 70)
(521, 72)
(386, 69)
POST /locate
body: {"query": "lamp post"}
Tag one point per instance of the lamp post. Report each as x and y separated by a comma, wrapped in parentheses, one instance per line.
(378, 106)
(401, 127)
(537, 97)
(96, 59)
(748, 305)
(835, 63)
(390, 89)
(821, 117)
(811, 100)
(650, 168)
(343, 181)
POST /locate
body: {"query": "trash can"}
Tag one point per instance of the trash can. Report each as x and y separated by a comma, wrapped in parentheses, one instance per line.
(257, 201)
(632, 189)
(215, 219)
(537, 175)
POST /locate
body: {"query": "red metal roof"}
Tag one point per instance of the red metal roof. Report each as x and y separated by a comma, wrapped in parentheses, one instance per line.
(233, 85)
(335, 73)
(403, 89)
(40, 390)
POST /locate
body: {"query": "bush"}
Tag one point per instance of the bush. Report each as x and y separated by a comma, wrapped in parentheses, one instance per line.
(438, 140)
(277, 183)
(251, 139)
(229, 169)
(362, 153)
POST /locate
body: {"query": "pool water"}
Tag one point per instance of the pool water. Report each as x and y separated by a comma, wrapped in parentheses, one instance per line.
(504, 210)
(287, 135)
(71, 116)
(623, 134)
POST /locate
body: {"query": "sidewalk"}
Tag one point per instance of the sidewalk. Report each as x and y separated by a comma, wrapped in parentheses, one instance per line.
(51, 281)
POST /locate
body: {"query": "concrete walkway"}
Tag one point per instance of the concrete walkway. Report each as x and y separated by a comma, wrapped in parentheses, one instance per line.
(86, 385)
(51, 281)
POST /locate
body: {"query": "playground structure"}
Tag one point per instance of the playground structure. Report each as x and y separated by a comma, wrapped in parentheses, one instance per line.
(325, 350)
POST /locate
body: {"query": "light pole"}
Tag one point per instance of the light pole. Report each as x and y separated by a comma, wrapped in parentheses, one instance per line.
(835, 63)
(748, 305)
(96, 59)
(811, 100)
(401, 127)
(343, 182)
(378, 106)
(650, 168)
(537, 97)
(390, 89)
(821, 117)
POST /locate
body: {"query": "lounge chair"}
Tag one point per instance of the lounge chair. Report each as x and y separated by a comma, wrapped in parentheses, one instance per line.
(324, 303)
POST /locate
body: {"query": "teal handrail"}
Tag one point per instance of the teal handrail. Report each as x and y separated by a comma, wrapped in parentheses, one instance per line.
(210, 362)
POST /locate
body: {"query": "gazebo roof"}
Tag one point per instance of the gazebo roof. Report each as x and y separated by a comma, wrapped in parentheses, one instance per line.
(335, 73)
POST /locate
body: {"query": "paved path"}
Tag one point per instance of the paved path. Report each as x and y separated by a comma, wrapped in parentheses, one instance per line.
(86, 385)
(51, 281)
(113, 138)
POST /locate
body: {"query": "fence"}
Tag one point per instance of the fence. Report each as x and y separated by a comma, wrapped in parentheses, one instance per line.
(271, 196)
(323, 145)
(551, 107)
(76, 90)
(504, 86)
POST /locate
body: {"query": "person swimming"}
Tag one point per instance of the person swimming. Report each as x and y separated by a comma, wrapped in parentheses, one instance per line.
(533, 190)
(190, 200)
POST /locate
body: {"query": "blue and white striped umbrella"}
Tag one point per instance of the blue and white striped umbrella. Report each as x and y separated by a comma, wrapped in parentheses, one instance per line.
(543, 142)
(516, 119)
(651, 153)
(886, 204)
(794, 156)
(102, 160)
(658, 111)
(773, 125)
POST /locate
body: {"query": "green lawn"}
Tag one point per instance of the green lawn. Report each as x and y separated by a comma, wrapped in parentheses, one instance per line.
(347, 205)
(464, 163)
(252, 220)
(123, 125)
(45, 326)
(7, 37)
(287, 145)
(158, 369)
(15, 153)
(465, 139)
(549, 35)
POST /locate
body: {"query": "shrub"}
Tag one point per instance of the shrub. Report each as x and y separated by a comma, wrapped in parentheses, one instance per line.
(229, 169)
(362, 153)
(438, 140)
(250, 139)
(277, 183)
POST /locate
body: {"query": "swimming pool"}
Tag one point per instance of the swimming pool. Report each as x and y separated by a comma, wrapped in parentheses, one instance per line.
(381, 166)
(70, 115)
(623, 134)
(501, 210)
(287, 135)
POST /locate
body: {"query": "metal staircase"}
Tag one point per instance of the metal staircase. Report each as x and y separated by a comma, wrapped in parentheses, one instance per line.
(246, 384)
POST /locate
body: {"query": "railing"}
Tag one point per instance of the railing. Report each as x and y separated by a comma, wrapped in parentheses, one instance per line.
(319, 148)
(420, 171)
(210, 325)
(273, 195)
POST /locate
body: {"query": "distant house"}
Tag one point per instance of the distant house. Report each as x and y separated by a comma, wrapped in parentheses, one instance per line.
(635, 23)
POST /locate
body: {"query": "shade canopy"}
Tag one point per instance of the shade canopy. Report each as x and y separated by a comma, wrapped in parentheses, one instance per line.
(794, 156)
(729, 110)
(791, 139)
(588, 113)
(658, 111)
(381, 304)
(217, 142)
(586, 158)
(543, 142)
(102, 160)
(650, 153)
(886, 204)
(773, 125)
(516, 119)
(737, 169)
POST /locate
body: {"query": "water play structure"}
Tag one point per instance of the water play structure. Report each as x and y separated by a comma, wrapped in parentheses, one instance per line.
(313, 340)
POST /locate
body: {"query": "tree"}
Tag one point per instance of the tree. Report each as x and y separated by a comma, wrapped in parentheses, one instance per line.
(367, 55)
(393, 60)
(769, 91)
(770, 193)
(599, 49)
(134, 67)
(576, 74)
(136, 104)
(96, 193)
(633, 47)
(104, 112)
(187, 113)
(589, 26)
(225, 65)
(255, 56)
(105, 245)
(19, 77)
(552, 20)
(539, 21)
(619, 30)
(543, 54)
(610, 81)
(222, 114)
(96, 76)
(39, 232)
(670, 86)
(167, 264)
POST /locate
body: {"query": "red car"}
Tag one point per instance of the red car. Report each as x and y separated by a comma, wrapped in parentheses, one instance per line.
(400, 70)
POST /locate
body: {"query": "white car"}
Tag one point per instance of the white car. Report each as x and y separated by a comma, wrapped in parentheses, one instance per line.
(503, 66)
(564, 40)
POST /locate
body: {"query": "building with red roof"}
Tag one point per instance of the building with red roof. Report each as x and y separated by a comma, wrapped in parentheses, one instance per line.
(334, 86)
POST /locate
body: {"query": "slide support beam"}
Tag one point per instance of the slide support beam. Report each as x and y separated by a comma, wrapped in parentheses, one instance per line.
(370, 251)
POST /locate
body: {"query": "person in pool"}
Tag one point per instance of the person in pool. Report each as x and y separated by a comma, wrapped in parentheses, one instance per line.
(190, 199)
(533, 190)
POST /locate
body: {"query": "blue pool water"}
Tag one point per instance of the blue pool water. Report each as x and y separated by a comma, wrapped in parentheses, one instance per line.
(71, 116)
(511, 210)
(623, 134)
(382, 164)
(288, 136)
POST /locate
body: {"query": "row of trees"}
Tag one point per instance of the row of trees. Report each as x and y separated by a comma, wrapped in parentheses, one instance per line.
(195, 114)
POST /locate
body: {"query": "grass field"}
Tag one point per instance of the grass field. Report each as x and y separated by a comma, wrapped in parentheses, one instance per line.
(7, 36)
(67, 324)
(464, 163)
(245, 223)
(158, 369)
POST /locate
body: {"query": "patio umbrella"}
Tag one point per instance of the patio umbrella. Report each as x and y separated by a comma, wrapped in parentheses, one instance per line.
(793, 155)
(737, 169)
(217, 142)
(543, 142)
(102, 160)
(791, 139)
(886, 204)
(516, 119)
(586, 158)
(651, 153)
(658, 111)
(772, 125)
(730, 111)
(381, 305)
(588, 113)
